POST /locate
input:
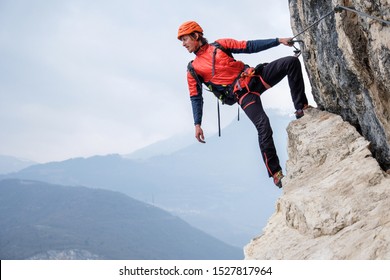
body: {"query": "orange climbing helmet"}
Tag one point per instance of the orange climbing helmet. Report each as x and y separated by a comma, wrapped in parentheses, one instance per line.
(189, 27)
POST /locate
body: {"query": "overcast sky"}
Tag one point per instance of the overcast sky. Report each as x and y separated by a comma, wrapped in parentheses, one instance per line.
(87, 77)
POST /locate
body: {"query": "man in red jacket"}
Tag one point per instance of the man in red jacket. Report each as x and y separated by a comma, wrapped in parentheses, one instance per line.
(232, 81)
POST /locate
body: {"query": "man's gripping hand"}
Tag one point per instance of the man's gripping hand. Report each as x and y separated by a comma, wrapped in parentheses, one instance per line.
(286, 41)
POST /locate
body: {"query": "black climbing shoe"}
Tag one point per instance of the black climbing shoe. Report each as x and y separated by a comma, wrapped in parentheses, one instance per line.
(278, 176)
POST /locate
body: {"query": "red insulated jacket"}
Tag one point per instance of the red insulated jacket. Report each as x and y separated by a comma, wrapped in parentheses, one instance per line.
(218, 70)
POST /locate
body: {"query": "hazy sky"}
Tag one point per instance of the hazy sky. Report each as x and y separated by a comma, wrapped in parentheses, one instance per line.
(87, 77)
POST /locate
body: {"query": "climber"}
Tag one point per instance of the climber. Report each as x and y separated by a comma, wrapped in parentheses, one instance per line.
(232, 81)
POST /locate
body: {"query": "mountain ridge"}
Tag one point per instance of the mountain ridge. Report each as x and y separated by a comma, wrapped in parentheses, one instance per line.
(9, 164)
(45, 221)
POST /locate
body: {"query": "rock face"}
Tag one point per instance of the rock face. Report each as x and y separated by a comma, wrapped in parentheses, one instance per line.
(336, 194)
(336, 199)
(347, 57)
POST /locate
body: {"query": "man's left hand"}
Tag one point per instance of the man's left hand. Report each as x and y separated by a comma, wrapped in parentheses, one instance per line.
(286, 41)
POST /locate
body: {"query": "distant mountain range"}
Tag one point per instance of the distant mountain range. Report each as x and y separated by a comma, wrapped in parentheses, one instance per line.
(163, 147)
(10, 164)
(45, 221)
(220, 187)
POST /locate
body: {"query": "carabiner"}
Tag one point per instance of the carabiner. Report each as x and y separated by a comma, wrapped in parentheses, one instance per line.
(297, 52)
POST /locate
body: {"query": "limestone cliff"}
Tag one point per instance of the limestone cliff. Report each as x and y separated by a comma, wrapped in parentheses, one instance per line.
(336, 195)
(336, 198)
(347, 57)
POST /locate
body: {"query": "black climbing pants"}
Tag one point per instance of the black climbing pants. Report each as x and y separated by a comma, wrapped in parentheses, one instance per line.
(272, 74)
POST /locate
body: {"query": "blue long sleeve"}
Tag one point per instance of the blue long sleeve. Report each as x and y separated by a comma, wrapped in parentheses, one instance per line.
(254, 46)
(197, 108)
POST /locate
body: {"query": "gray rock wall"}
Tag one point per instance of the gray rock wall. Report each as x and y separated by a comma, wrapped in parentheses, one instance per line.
(347, 58)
